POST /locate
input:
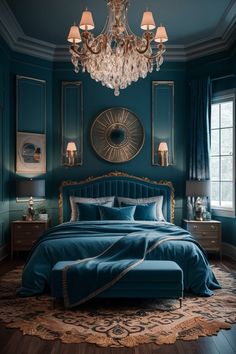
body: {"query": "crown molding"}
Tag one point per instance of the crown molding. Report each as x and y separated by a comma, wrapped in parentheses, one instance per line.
(221, 40)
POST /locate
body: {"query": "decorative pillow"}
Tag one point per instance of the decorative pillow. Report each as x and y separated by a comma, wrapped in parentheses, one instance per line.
(74, 200)
(147, 212)
(87, 211)
(125, 213)
(158, 199)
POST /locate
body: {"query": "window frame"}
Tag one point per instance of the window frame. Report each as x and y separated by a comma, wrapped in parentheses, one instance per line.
(222, 97)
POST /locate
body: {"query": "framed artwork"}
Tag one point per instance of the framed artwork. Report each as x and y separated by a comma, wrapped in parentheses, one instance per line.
(30, 153)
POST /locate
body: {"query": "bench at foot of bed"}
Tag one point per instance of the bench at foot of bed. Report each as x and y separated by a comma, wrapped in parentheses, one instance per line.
(150, 279)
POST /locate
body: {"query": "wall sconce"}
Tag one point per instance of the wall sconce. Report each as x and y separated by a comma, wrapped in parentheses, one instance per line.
(71, 153)
(163, 158)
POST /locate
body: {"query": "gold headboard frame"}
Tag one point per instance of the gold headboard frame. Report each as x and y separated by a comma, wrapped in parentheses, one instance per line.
(115, 174)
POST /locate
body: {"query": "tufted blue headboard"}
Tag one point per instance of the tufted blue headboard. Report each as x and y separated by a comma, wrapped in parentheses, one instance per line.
(117, 184)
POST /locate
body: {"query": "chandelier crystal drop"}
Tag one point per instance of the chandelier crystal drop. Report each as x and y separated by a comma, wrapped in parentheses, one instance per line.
(117, 57)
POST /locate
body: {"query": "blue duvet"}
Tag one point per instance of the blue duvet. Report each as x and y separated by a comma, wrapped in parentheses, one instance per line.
(114, 246)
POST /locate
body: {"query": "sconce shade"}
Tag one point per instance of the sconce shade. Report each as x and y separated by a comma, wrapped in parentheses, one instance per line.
(71, 146)
(74, 35)
(30, 188)
(148, 22)
(86, 22)
(195, 188)
(163, 146)
(161, 35)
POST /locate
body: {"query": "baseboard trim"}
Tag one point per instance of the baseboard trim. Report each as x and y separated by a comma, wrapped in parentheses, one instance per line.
(229, 250)
(4, 251)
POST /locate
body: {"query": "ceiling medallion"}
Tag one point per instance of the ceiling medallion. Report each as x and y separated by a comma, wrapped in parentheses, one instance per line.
(117, 57)
(117, 135)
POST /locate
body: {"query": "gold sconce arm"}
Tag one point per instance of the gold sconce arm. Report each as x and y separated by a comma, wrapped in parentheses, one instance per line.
(160, 52)
(148, 37)
(101, 39)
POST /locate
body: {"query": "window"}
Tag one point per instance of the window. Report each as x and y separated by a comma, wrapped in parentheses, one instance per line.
(223, 154)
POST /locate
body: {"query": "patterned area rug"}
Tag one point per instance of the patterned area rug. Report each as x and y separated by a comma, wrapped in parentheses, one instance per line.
(120, 323)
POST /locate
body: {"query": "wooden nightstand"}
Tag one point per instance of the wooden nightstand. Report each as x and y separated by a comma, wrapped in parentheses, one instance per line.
(207, 233)
(25, 233)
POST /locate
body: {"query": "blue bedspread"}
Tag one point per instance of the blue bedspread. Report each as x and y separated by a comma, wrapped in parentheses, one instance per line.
(116, 246)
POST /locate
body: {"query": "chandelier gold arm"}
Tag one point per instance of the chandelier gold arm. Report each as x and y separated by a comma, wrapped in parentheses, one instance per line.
(161, 51)
(148, 37)
(117, 57)
(101, 39)
(74, 50)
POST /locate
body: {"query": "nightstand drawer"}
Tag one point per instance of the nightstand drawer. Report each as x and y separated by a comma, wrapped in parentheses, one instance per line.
(207, 234)
(24, 243)
(208, 243)
(24, 234)
(33, 228)
(203, 227)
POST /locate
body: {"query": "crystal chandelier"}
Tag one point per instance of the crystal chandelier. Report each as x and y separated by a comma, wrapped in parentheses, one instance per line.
(117, 57)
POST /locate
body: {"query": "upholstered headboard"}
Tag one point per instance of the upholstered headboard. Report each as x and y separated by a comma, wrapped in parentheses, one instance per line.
(117, 184)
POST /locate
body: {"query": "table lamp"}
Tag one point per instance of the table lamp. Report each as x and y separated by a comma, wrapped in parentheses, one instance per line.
(30, 188)
(196, 191)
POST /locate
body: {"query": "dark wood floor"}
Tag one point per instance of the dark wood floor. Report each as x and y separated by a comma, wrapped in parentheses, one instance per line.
(13, 342)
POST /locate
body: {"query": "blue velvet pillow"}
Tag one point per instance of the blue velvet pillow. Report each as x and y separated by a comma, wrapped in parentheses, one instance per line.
(145, 212)
(90, 211)
(125, 213)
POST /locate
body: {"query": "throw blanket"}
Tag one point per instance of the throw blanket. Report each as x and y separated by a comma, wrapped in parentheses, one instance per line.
(113, 248)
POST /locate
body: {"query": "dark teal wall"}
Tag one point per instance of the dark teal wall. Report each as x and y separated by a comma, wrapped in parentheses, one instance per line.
(39, 69)
(137, 98)
(96, 99)
(4, 146)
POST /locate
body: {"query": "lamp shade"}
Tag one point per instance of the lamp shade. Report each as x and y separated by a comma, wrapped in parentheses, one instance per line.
(30, 188)
(163, 146)
(74, 35)
(196, 188)
(148, 22)
(71, 146)
(86, 22)
(161, 35)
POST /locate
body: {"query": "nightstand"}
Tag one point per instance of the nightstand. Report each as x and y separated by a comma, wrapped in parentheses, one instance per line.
(25, 233)
(207, 233)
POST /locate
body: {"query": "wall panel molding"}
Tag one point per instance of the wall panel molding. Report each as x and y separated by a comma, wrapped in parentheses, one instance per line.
(72, 118)
(163, 113)
(30, 105)
(4, 251)
(229, 250)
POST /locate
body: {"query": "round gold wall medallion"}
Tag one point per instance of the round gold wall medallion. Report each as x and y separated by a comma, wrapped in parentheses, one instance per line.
(117, 135)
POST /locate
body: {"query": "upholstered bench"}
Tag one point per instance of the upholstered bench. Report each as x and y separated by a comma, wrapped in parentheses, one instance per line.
(150, 279)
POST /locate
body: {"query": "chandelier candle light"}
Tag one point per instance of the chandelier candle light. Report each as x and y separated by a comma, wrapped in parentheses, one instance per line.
(116, 57)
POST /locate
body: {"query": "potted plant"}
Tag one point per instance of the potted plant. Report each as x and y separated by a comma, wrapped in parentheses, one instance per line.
(42, 212)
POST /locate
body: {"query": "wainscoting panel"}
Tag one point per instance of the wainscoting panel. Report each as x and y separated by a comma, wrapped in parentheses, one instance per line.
(1, 152)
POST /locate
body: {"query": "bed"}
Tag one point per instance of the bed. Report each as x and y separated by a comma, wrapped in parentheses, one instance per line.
(99, 252)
